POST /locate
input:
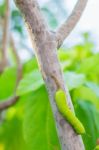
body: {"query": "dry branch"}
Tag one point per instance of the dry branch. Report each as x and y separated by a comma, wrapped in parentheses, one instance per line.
(66, 28)
(14, 50)
(8, 103)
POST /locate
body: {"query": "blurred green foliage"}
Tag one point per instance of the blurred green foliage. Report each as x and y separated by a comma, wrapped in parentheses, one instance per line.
(29, 125)
(32, 118)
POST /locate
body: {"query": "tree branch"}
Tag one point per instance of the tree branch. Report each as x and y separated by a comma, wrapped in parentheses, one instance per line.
(5, 39)
(70, 23)
(14, 50)
(10, 102)
(45, 46)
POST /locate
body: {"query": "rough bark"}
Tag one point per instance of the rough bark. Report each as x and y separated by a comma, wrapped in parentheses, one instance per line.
(45, 45)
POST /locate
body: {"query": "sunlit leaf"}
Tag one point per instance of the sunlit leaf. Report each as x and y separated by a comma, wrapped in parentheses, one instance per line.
(30, 65)
(30, 82)
(86, 94)
(8, 82)
(89, 116)
(39, 128)
(90, 65)
(94, 87)
(11, 135)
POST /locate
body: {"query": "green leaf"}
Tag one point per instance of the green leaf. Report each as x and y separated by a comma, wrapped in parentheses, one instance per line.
(89, 116)
(11, 136)
(31, 82)
(39, 128)
(8, 82)
(86, 94)
(74, 80)
(65, 64)
(30, 65)
(94, 87)
(66, 54)
(90, 65)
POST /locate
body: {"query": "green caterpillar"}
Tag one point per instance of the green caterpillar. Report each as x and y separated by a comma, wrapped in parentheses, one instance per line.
(64, 109)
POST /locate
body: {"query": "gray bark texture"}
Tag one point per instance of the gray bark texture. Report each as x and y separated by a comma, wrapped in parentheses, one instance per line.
(45, 44)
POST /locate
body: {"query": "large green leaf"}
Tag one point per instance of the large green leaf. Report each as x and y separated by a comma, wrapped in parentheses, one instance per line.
(11, 136)
(90, 119)
(39, 128)
(8, 82)
(86, 94)
(74, 80)
(11, 127)
(90, 65)
(94, 87)
(30, 65)
(31, 82)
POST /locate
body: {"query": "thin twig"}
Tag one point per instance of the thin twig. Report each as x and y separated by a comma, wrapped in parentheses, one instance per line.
(14, 50)
(5, 39)
(66, 28)
(8, 103)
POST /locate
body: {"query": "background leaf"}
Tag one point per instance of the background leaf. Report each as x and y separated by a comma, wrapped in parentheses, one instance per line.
(89, 116)
(90, 65)
(8, 82)
(39, 128)
(31, 82)
(74, 80)
(86, 94)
